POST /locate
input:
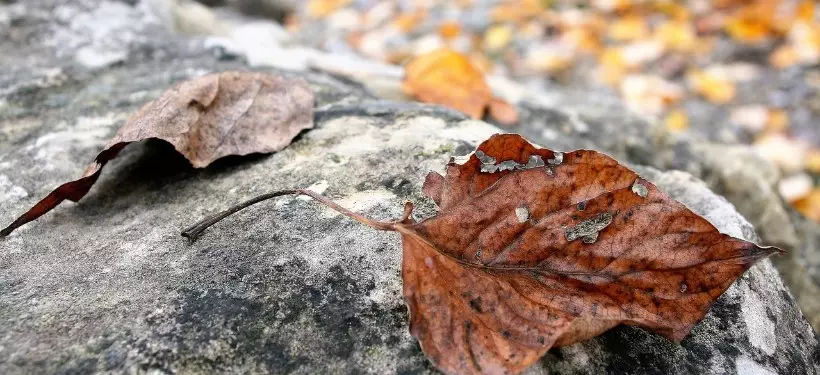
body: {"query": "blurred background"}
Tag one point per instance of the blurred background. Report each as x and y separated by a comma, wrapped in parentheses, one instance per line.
(726, 71)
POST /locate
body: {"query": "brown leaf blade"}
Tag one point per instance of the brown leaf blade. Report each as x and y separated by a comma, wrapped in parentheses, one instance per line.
(207, 118)
(534, 249)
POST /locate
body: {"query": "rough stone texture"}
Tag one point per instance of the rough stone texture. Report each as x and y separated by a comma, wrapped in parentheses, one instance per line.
(107, 285)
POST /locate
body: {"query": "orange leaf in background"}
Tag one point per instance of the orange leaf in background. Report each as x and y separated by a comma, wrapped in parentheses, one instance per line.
(714, 88)
(449, 30)
(753, 23)
(481, 62)
(503, 112)
(809, 205)
(582, 39)
(613, 5)
(677, 35)
(805, 11)
(448, 78)
(628, 28)
(784, 57)
(672, 9)
(515, 11)
(407, 22)
(323, 8)
(777, 121)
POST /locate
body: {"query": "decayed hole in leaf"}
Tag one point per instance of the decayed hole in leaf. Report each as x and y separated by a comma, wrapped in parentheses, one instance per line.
(519, 260)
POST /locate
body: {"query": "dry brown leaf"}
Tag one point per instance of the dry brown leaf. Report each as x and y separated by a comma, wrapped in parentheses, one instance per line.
(448, 78)
(216, 115)
(534, 248)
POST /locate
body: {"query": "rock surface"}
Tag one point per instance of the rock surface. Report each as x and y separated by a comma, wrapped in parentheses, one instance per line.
(108, 285)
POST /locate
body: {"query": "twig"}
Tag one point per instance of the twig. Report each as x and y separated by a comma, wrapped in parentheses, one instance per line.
(194, 231)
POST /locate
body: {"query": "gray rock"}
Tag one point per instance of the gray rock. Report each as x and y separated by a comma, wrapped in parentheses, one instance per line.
(107, 285)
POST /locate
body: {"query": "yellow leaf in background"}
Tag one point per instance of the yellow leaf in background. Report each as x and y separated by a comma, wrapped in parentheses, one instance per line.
(406, 22)
(322, 8)
(448, 78)
(813, 161)
(497, 37)
(783, 57)
(809, 206)
(777, 121)
(677, 35)
(584, 39)
(612, 68)
(449, 30)
(627, 28)
(714, 88)
(676, 121)
(672, 9)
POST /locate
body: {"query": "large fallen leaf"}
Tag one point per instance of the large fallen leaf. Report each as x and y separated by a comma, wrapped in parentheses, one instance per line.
(535, 248)
(216, 115)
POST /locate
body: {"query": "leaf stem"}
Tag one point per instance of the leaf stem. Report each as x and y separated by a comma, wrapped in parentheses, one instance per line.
(194, 231)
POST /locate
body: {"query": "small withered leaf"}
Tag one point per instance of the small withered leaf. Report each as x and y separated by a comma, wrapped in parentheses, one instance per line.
(216, 115)
(533, 255)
